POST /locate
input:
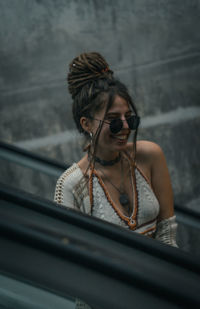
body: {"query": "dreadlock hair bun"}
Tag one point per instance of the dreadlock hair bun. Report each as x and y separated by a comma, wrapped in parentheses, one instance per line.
(88, 81)
(85, 70)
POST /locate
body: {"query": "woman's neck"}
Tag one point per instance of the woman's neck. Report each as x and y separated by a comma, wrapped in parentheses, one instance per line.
(107, 155)
(106, 159)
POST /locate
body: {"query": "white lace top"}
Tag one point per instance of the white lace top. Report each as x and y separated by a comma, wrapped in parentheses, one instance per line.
(145, 216)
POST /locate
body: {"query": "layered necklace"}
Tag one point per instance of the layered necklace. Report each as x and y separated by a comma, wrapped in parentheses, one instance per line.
(123, 197)
(130, 219)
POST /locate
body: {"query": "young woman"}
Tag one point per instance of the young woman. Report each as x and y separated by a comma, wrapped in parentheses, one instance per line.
(124, 183)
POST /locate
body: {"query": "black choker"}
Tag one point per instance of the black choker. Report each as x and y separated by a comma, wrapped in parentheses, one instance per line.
(107, 163)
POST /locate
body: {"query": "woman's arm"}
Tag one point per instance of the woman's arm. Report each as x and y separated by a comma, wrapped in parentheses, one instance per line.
(161, 184)
(64, 192)
(152, 159)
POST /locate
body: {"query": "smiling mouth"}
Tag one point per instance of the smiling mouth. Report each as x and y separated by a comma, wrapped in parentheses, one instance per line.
(121, 137)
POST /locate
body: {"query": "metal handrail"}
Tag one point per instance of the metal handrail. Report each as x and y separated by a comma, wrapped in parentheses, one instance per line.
(31, 160)
(96, 225)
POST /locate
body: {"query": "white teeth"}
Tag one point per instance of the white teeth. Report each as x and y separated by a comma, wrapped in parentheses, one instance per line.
(122, 137)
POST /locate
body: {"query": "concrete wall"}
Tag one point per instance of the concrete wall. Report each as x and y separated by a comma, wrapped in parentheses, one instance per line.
(153, 46)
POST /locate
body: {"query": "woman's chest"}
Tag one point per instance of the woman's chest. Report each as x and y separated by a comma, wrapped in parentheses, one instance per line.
(143, 206)
(121, 193)
(118, 187)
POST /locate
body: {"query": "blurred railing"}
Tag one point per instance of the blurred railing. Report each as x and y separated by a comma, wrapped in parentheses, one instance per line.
(54, 168)
(70, 253)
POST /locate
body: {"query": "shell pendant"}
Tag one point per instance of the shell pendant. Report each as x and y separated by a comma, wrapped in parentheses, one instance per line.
(124, 200)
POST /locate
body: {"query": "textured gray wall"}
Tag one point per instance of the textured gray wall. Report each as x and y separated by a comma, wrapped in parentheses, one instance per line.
(153, 46)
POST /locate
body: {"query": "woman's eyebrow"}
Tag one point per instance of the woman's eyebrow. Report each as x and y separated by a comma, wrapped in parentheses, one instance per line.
(114, 113)
(117, 113)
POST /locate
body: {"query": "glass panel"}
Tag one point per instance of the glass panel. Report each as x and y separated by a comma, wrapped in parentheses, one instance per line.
(27, 179)
(15, 294)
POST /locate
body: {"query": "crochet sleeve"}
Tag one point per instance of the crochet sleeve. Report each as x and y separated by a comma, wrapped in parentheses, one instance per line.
(166, 231)
(64, 190)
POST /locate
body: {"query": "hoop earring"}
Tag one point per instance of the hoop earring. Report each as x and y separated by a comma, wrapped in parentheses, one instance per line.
(91, 135)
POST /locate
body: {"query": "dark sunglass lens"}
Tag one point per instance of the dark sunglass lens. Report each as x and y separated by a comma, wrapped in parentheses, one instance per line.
(133, 122)
(116, 125)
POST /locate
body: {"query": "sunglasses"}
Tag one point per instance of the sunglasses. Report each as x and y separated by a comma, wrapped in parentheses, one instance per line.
(117, 124)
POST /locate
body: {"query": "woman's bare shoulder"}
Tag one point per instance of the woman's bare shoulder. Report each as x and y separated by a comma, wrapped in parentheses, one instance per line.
(148, 147)
(146, 150)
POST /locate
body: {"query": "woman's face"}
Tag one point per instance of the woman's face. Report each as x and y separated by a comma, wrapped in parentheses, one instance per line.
(109, 142)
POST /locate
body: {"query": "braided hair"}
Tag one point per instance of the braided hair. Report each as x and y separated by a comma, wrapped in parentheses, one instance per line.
(92, 85)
